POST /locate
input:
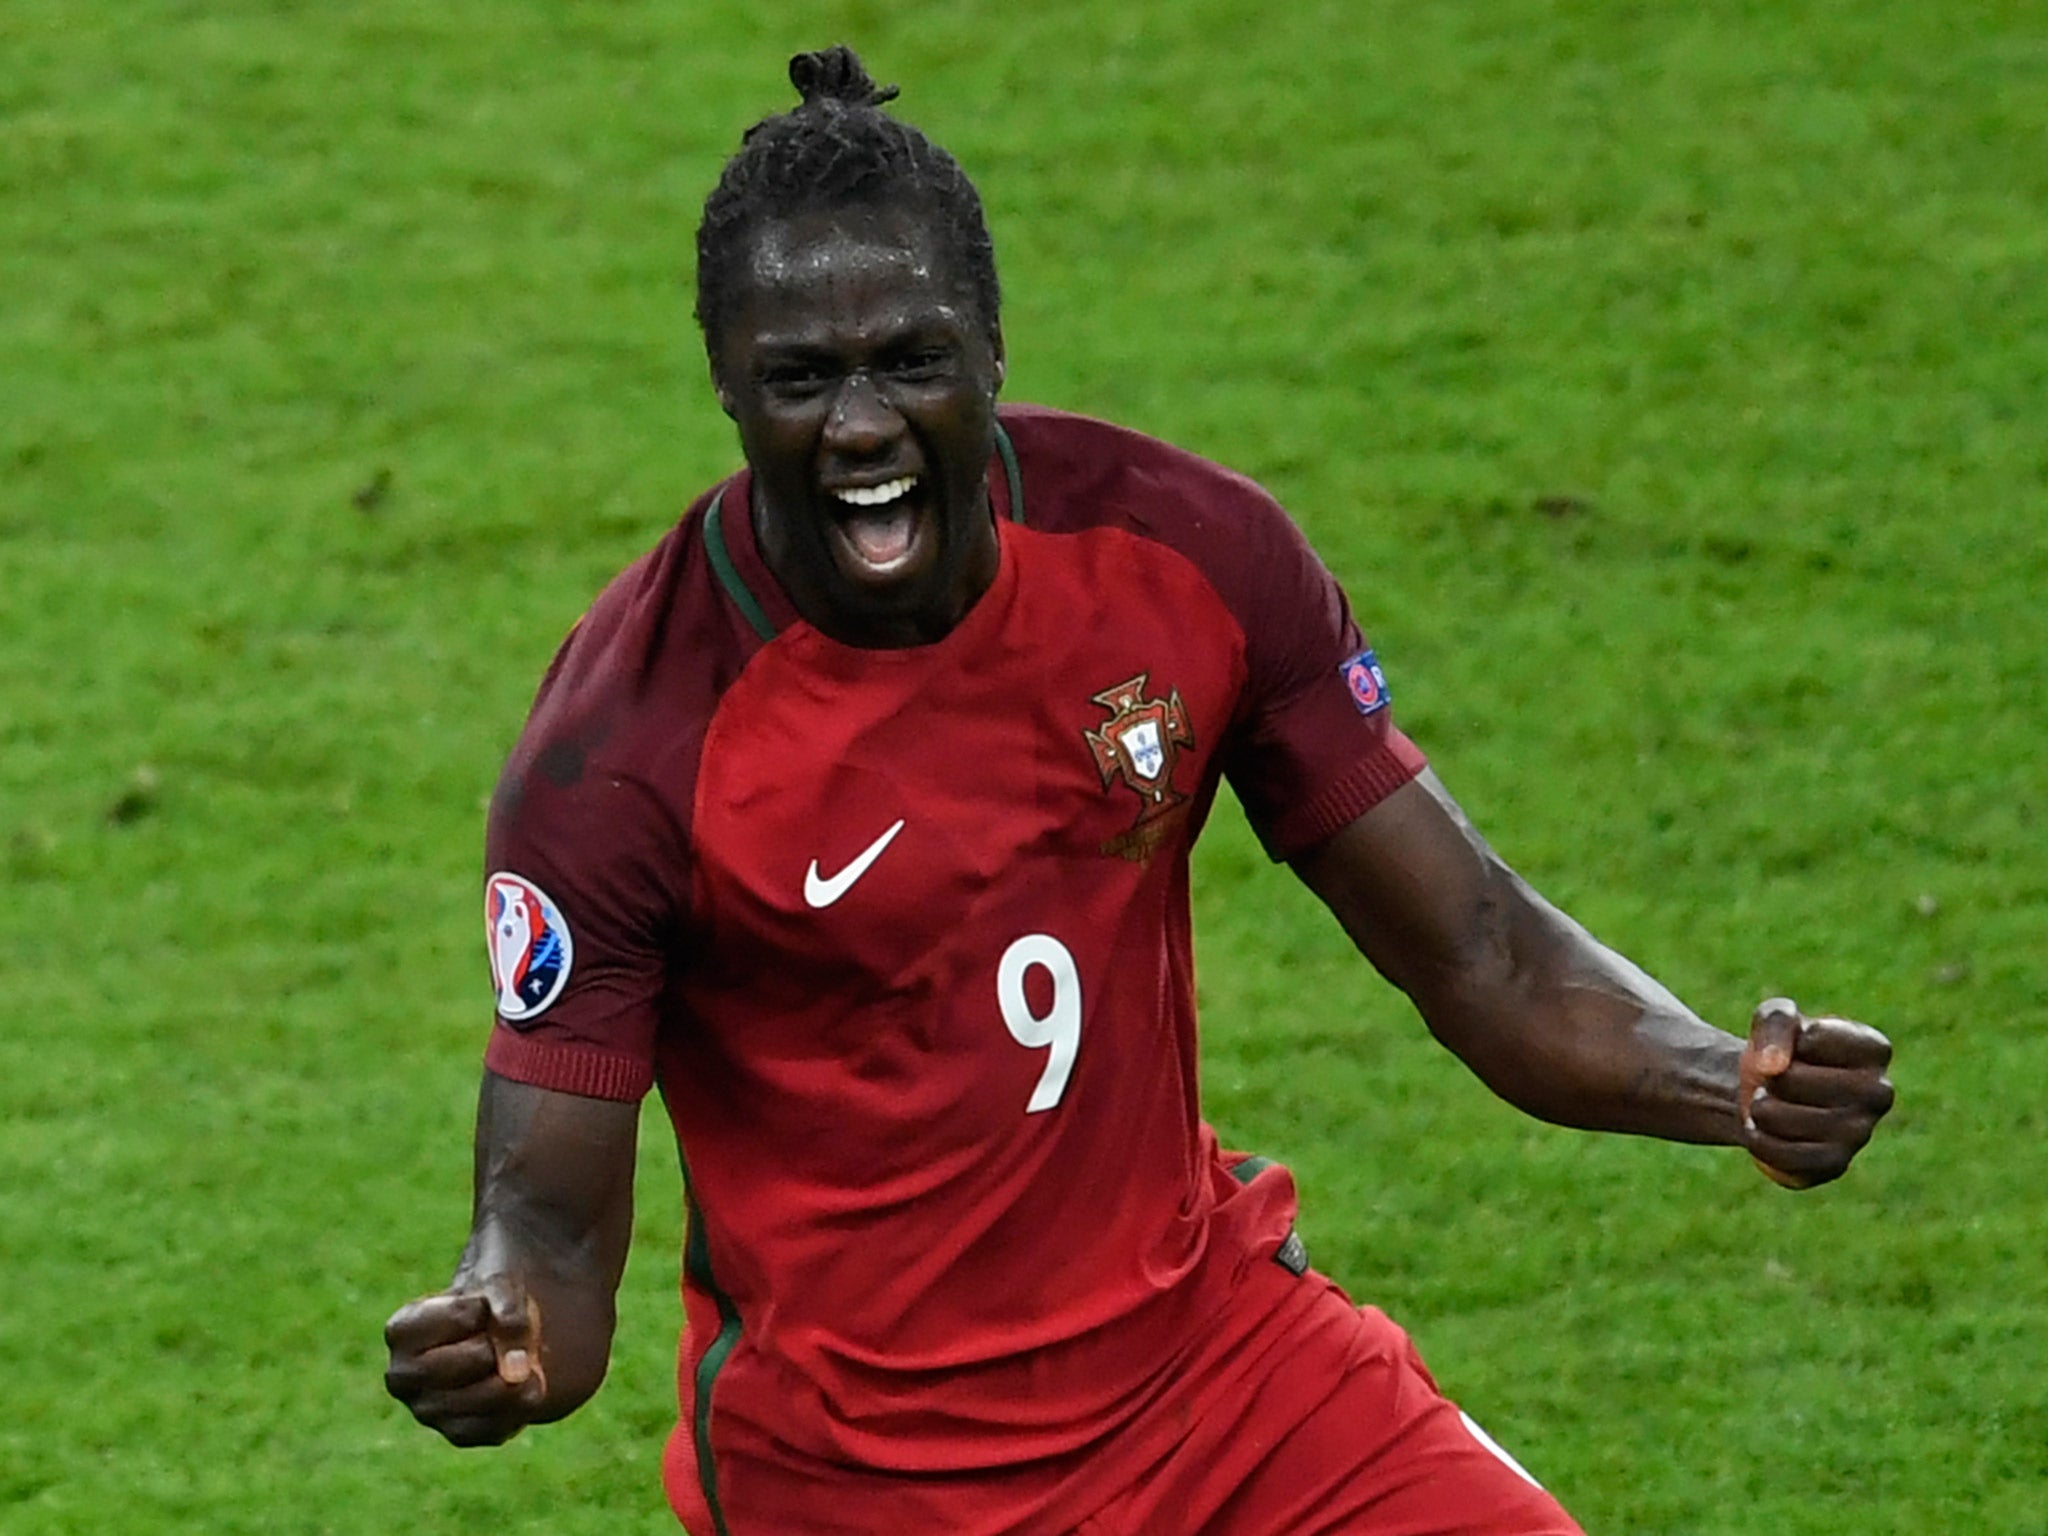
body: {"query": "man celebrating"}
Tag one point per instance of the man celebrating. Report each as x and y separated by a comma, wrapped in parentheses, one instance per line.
(856, 817)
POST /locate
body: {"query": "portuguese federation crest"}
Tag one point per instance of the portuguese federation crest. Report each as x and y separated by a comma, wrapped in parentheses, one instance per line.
(1139, 744)
(529, 945)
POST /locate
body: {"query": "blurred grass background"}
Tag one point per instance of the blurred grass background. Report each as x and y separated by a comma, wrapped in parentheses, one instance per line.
(1664, 385)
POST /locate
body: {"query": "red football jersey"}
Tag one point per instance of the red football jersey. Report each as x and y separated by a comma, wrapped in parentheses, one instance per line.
(903, 937)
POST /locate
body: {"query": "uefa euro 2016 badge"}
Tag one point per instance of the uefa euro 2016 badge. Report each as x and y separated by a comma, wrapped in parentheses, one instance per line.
(1368, 684)
(530, 946)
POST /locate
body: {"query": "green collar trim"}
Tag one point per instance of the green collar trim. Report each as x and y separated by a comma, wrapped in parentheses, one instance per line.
(1012, 475)
(728, 574)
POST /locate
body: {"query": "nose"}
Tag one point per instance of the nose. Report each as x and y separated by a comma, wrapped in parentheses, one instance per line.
(862, 423)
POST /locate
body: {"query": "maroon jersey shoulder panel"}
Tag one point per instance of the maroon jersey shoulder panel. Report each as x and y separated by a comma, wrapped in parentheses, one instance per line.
(589, 832)
(1308, 753)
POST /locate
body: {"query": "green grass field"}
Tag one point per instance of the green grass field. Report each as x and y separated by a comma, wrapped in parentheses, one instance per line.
(1664, 382)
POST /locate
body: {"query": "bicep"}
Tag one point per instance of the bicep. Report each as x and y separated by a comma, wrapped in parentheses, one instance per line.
(1419, 891)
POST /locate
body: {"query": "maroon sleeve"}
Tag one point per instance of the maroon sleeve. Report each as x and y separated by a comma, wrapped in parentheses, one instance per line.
(583, 861)
(1316, 745)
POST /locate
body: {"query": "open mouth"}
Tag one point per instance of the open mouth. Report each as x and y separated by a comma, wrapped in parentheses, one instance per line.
(878, 524)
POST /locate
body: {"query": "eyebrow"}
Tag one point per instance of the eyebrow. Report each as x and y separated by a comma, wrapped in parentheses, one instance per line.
(925, 327)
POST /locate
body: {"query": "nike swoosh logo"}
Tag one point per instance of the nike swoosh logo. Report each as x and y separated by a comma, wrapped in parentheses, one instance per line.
(822, 893)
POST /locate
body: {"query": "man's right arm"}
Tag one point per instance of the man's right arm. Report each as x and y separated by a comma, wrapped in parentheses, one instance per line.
(523, 1332)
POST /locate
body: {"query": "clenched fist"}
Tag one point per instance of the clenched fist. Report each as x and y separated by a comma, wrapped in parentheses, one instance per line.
(1810, 1092)
(467, 1361)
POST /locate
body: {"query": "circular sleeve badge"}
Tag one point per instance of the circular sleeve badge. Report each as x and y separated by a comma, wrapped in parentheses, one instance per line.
(1368, 684)
(529, 945)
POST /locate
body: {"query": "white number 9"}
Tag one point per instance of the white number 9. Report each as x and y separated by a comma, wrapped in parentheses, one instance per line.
(1059, 1027)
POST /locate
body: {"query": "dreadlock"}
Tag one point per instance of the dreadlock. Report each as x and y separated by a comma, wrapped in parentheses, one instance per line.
(836, 150)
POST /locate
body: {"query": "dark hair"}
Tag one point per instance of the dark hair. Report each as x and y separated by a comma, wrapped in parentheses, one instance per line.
(836, 150)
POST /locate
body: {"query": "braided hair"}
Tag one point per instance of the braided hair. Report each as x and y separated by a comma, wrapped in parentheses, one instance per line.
(837, 150)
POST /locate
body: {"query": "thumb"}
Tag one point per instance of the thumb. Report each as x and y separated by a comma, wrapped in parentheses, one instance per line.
(514, 1330)
(1773, 1042)
(1773, 1039)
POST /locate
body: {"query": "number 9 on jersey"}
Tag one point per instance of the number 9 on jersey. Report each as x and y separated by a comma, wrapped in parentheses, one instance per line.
(1059, 1027)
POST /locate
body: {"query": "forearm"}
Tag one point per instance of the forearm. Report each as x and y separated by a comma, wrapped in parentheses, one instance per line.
(553, 1212)
(1557, 1023)
(1575, 1033)
(1549, 1018)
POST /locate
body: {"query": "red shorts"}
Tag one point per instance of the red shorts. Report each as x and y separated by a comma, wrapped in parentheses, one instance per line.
(1322, 1421)
(1346, 1435)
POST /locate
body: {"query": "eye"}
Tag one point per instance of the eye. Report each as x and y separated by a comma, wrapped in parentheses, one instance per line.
(920, 363)
(793, 379)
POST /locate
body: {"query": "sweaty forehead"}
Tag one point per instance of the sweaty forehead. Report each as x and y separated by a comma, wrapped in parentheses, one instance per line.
(852, 257)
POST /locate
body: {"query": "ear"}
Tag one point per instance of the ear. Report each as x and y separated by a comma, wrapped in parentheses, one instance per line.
(1002, 365)
(719, 388)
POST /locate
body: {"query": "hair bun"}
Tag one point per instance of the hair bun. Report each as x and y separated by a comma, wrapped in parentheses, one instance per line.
(835, 75)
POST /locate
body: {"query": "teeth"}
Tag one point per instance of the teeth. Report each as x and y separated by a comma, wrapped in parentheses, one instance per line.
(876, 495)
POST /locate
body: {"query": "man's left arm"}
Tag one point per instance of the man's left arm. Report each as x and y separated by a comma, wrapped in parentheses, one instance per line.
(1567, 1029)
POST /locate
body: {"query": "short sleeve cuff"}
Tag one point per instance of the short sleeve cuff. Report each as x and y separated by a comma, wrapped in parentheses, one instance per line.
(568, 1069)
(1349, 796)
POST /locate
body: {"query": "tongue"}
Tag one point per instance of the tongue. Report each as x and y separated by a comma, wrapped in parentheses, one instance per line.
(882, 534)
